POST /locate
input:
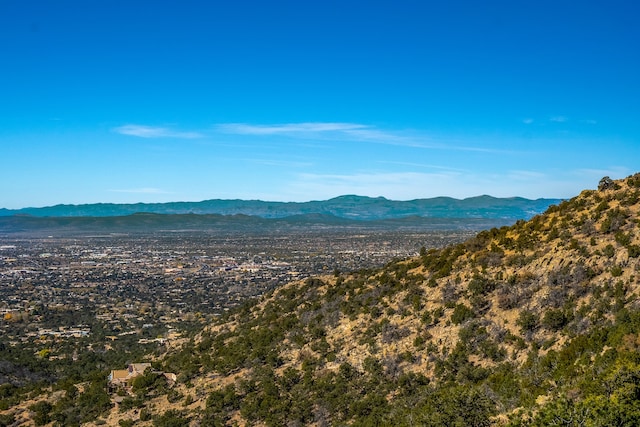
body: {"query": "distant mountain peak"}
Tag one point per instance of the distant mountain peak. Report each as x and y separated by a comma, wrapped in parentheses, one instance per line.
(346, 206)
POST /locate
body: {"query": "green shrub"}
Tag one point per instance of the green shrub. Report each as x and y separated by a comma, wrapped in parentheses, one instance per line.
(437, 314)
(461, 313)
(171, 418)
(528, 321)
(42, 412)
(7, 419)
(623, 239)
(616, 271)
(609, 251)
(554, 320)
(145, 415)
(481, 285)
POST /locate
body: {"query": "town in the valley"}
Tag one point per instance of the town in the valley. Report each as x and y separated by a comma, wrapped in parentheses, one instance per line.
(146, 290)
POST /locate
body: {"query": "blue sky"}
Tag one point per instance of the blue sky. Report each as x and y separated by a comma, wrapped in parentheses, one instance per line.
(153, 101)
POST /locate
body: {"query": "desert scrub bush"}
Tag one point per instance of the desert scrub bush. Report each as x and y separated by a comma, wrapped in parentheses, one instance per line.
(480, 304)
(609, 251)
(508, 297)
(575, 245)
(527, 321)
(616, 271)
(615, 219)
(391, 333)
(438, 313)
(473, 334)
(172, 418)
(553, 234)
(623, 239)
(414, 298)
(461, 313)
(554, 320)
(426, 318)
(630, 198)
(440, 262)
(633, 180)
(449, 295)
(519, 260)
(480, 285)
(602, 207)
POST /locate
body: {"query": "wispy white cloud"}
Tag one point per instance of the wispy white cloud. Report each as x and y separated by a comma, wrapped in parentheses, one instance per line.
(526, 175)
(289, 128)
(421, 165)
(593, 175)
(559, 119)
(353, 132)
(279, 163)
(146, 190)
(390, 138)
(143, 131)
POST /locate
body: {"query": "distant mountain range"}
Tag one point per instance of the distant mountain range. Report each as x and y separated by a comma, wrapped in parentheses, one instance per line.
(347, 207)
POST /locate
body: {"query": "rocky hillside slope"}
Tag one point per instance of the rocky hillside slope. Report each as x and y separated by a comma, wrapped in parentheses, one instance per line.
(543, 311)
(532, 324)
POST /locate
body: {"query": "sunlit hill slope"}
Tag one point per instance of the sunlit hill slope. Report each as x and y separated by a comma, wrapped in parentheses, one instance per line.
(530, 324)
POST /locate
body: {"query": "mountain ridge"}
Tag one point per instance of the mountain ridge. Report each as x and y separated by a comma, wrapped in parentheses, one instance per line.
(346, 206)
(523, 325)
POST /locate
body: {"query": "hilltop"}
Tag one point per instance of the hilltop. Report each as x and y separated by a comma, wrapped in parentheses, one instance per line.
(541, 316)
(530, 324)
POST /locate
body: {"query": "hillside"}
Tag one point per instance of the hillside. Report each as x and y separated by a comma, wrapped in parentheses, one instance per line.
(537, 323)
